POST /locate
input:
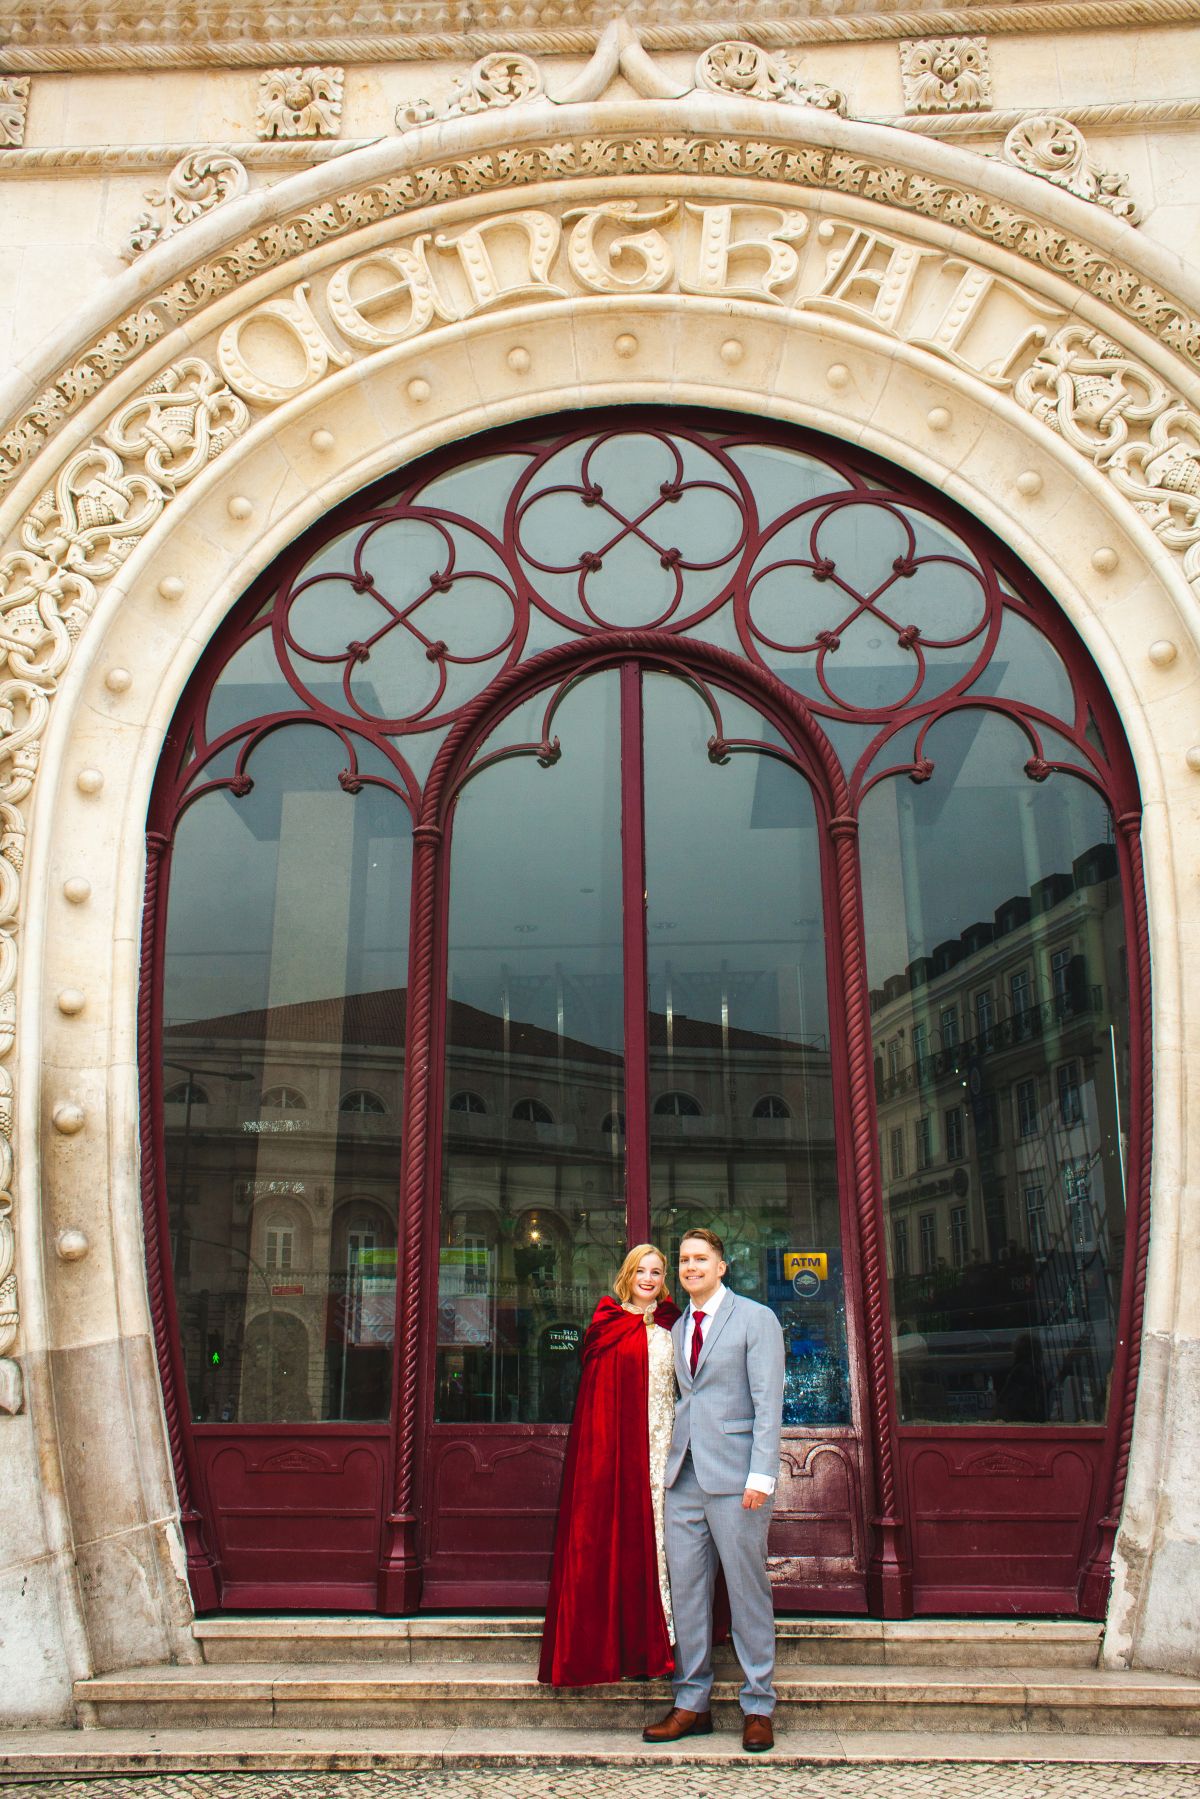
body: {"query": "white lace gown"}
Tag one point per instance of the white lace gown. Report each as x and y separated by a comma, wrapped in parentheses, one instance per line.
(662, 1418)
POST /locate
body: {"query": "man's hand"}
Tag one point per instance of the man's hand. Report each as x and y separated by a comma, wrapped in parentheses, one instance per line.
(752, 1499)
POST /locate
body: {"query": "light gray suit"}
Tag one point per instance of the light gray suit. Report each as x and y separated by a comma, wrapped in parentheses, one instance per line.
(727, 1425)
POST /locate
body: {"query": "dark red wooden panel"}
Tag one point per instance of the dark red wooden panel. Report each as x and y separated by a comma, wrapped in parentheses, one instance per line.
(817, 1544)
(493, 1500)
(296, 1514)
(999, 1523)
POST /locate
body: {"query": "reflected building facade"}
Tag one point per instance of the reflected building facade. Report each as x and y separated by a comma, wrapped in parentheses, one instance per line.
(1001, 1079)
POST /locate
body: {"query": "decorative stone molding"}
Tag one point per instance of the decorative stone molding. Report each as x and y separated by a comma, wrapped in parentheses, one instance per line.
(731, 67)
(1117, 413)
(14, 100)
(219, 33)
(500, 79)
(77, 534)
(300, 102)
(1104, 115)
(736, 67)
(945, 74)
(200, 181)
(1053, 148)
(753, 156)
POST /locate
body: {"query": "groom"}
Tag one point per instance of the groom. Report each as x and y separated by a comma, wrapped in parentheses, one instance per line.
(721, 1472)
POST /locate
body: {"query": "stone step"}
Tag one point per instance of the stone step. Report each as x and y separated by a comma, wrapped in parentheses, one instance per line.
(496, 1696)
(924, 1642)
(45, 1755)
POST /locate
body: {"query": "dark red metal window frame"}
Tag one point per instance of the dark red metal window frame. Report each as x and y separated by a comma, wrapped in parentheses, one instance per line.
(666, 645)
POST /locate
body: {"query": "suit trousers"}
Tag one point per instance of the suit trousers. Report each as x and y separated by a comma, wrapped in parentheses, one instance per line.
(700, 1527)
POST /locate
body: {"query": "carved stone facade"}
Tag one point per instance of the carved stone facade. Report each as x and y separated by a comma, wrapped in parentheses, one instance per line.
(1057, 151)
(596, 213)
(14, 99)
(300, 102)
(946, 74)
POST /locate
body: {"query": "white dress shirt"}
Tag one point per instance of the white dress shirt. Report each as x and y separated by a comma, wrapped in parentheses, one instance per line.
(755, 1483)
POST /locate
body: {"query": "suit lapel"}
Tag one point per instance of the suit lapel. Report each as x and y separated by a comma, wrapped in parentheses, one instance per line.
(715, 1327)
(678, 1338)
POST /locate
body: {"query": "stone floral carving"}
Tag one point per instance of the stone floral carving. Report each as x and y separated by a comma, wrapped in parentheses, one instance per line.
(300, 102)
(502, 79)
(1127, 422)
(945, 74)
(195, 185)
(736, 67)
(77, 534)
(1053, 148)
(14, 99)
(179, 423)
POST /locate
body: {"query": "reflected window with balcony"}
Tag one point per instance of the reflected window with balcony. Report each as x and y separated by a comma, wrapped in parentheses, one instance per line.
(960, 1241)
(363, 1102)
(532, 1111)
(1035, 1219)
(1027, 1108)
(677, 1105)
(899, 1246)
(279, 1242)
(928, 1230)
(923, 1141)
(948, 1025)
(1070, 1100)
(952, 1118)
(284, 1099)
(896, 1140)
(186, 1093)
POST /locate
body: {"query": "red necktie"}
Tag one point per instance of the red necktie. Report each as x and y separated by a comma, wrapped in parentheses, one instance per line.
(697, 1339)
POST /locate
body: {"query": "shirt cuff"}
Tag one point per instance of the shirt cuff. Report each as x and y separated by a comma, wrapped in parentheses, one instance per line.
(760, 1483)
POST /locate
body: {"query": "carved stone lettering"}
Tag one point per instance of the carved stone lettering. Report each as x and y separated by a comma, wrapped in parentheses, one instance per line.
(270, 374)
(867, 276)
(979, 327)
(597, 245)
(478, 253)
(730, 265)
(385, 296)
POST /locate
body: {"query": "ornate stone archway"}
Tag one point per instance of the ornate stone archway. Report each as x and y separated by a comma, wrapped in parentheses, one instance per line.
(982, 328)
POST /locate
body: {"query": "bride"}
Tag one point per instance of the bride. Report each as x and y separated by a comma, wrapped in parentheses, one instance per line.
(609, 1611)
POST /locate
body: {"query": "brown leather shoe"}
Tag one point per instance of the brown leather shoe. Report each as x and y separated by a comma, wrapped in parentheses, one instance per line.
(758, 1733)
(679, 1723)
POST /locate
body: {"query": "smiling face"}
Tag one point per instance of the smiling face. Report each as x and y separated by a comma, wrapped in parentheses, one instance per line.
(700, 1270)
(648, 1279)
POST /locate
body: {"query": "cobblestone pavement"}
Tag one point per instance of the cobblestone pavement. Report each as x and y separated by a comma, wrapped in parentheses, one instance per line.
(880, 1780)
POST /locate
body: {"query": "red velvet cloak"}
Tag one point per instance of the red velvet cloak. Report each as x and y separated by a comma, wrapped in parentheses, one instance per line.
(604, 1618)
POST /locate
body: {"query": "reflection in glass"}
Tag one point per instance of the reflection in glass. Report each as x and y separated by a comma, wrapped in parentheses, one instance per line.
(999, 996)
(741, 1101)
(283, 991)
(533, 1202)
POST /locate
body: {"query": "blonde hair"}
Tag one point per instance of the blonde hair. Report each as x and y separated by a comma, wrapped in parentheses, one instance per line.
(623, 1285)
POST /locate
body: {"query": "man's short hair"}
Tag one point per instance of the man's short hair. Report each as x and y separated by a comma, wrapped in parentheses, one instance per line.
(705, 1236)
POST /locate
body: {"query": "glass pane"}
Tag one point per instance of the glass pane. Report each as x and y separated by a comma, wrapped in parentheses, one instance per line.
(283, 996)
(999, 994)
(533, 1206)
(741, 1097)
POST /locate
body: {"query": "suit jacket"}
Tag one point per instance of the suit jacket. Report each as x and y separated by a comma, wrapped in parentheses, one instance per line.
(732, 1413)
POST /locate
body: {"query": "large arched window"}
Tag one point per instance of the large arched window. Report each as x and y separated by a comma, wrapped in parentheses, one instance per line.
(717, 782)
